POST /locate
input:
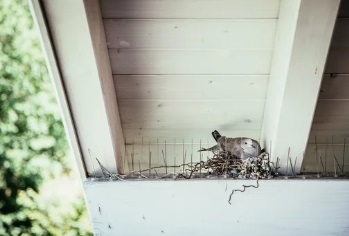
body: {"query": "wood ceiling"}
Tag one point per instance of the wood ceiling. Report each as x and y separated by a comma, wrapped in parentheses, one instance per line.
(331, 120)
(183, 73)
(185, 68)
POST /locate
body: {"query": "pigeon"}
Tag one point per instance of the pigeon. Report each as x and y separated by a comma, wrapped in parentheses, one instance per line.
(240, 147)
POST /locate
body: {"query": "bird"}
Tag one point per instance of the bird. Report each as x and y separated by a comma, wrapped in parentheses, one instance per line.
(239, 147)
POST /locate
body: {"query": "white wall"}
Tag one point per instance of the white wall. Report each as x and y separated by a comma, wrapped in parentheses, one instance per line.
(192, 207)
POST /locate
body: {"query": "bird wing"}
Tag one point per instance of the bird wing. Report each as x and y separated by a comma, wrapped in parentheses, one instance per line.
(213, 148)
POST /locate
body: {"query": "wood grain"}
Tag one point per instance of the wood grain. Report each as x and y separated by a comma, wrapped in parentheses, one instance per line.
(182, 87)
(304, 205)
(338, 58)
(133, 111)
(190, 34)
(190, 9)
(202, 133)
(190, 118)
(190, 61)
(94, 18)
(330, 156)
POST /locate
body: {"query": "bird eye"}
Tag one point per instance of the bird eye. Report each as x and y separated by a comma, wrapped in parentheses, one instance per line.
(245, 143)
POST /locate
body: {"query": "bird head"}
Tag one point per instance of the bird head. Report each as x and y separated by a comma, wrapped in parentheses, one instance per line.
(249, 147)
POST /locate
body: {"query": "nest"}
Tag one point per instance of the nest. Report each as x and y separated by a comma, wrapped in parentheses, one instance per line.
(222, 164)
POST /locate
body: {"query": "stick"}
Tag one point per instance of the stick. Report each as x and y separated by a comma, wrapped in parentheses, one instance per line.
(345, 139)
(149, 159)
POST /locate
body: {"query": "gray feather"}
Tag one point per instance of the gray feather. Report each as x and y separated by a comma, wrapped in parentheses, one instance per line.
(240, 147)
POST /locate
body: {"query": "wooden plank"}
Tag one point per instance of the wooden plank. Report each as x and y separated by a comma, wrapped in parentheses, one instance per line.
(190, 61)
(76, 57)
(330, 119)
(190, 9)
(172, 151)
(190, 119)
(203, 133)
(331, 159)
(208, 123)
(335, 88)
(165, 87)
(338, 61)
(134, 111)
(94, 18)
(190, 34)
(332, 107)
(322, 134)
(57, 81)
(304, 35)
(344, 9)
(181, 132)
(305, 206)
(332, 126)
(338, 58)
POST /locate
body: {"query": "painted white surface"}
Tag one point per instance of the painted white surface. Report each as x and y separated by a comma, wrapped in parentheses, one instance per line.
(55, 75)
(190, 9)
(190, 111)
(303, 38)
(277, 207)
(191, 87)
(146, 153)
(191, 118)
(188, 134)
(192, 62)
(182, 69)
(73, 46)
(97, 33)
(190, 34)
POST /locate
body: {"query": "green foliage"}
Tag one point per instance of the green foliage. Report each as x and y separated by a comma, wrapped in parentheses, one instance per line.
(33, 147)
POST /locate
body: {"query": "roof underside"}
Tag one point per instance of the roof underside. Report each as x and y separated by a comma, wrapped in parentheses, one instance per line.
(160, 76)
(183, 73)
(330, 127)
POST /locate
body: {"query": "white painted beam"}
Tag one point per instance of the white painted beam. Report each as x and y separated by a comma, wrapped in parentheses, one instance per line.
(200, 207)
(55, 75)
(80, 49)
(303, 38)
(99, 41)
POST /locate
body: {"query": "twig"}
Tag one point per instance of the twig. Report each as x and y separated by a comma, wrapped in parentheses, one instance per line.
(243, 190)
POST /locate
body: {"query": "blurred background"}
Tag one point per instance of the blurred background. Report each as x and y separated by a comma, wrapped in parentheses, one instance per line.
(40, 189)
